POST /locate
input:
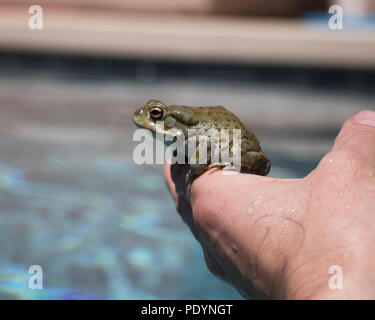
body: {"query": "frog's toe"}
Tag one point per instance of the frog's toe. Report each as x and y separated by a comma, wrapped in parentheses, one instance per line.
(195, 171)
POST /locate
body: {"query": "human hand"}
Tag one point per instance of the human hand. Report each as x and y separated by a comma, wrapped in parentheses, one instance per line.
(277, 238)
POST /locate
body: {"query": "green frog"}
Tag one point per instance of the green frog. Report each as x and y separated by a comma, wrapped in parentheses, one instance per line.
(177, 120)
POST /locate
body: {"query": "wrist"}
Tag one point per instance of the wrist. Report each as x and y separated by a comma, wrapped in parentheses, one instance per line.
(344, 275)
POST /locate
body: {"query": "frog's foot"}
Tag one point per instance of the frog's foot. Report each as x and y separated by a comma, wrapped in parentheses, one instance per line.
(255, 163)
(183, 175)
(178, 174)
(195, 170)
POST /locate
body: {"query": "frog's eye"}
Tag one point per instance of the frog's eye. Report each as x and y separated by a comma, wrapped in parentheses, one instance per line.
(156, 113)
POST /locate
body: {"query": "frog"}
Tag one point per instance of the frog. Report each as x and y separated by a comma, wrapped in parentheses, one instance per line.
(178, 119)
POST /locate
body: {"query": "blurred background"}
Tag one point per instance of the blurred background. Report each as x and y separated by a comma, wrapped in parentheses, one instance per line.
(71, 198)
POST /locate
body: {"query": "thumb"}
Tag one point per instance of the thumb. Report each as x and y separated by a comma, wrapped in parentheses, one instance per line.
(357, 136)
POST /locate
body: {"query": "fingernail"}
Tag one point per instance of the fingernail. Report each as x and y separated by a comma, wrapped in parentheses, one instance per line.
(365, 117)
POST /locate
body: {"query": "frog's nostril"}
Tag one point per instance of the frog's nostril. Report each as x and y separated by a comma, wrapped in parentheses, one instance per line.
(138, 112)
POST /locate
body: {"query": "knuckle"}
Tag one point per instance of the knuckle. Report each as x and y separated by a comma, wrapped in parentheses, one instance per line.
(354, 137)
(346, 163)
(340, 158)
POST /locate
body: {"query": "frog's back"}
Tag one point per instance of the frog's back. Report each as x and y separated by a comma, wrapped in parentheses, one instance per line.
(217, 117)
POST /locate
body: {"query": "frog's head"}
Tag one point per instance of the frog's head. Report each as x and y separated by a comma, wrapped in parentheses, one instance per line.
(152, 111)
(176, 119)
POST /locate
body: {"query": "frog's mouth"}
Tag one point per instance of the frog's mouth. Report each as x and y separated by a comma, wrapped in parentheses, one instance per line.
(137, 124)
(141, 124)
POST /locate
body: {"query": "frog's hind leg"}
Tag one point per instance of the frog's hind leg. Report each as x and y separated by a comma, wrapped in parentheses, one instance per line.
(255, 163)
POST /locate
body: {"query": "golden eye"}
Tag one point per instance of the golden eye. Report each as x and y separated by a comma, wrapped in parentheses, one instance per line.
(156, 113)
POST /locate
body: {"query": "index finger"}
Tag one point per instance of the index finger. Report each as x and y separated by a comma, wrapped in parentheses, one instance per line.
(169, 182)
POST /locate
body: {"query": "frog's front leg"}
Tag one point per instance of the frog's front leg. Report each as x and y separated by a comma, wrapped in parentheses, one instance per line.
(214, 151)
(178, 174)
(184, 174)
(198, 162)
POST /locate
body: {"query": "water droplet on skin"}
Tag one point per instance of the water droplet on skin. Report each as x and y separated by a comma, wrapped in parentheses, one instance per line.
(250, 211)
(351, 164)
(293, 210)
(330, 160)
